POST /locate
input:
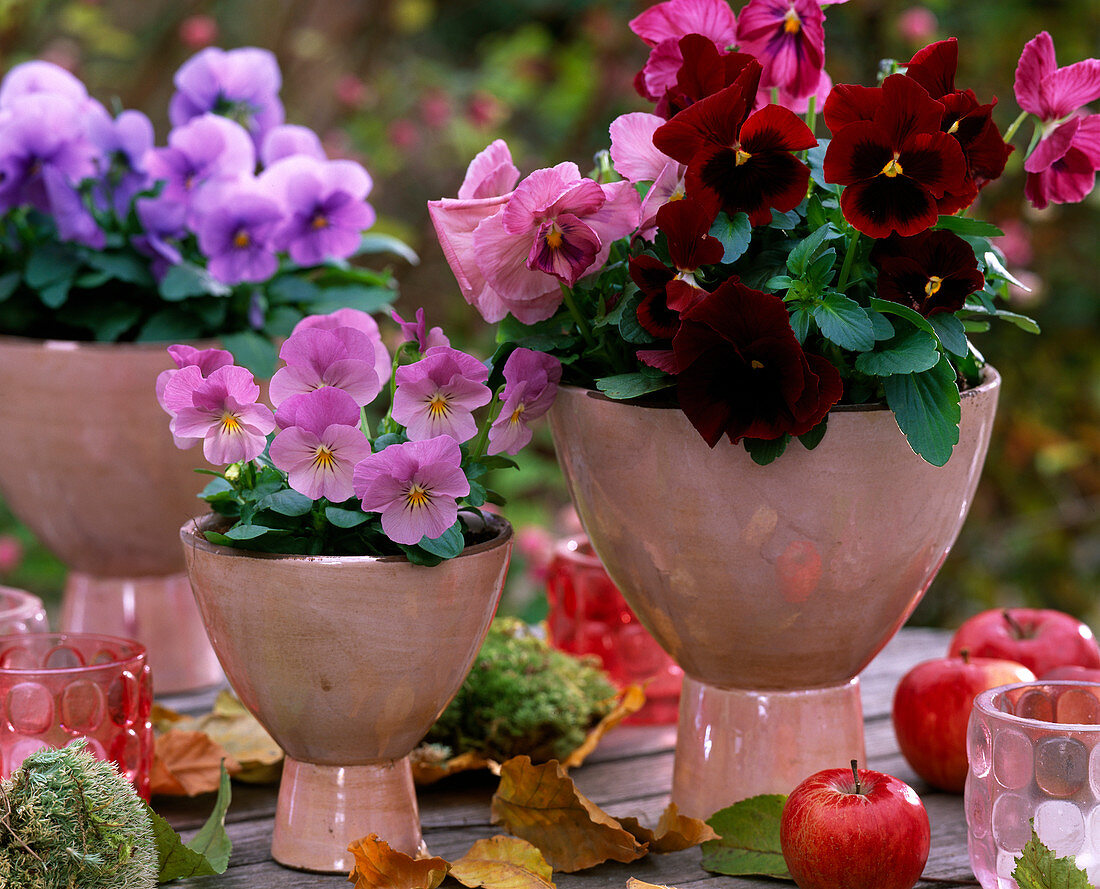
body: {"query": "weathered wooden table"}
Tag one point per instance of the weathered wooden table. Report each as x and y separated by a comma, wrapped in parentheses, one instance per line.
(629, 774)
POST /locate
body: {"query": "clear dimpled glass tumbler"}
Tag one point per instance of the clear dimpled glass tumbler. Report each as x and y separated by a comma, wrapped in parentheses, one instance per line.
(21, 612)
(58, 687)
(1034, 753)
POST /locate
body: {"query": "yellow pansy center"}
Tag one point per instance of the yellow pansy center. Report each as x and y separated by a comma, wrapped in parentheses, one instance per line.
(438, 405)
(319, 221)
(417, 496)
(892, 168)
(792, 24)
(756, 364)
(517, 414)
(933, 285)
(324, 458)
(231, 424)
(241, 239)
(553, 237)
(742, 156)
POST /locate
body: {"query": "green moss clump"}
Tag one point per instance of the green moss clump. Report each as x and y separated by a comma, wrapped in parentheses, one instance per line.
(69, 821)
(524, 697)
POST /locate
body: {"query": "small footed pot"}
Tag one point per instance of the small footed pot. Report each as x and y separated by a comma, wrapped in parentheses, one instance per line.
(346, 661)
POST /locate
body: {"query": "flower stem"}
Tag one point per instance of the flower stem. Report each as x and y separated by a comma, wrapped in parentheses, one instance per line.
(849, 258)
(477, 449)
(811, 113)
(578, 318)
(1015, 125)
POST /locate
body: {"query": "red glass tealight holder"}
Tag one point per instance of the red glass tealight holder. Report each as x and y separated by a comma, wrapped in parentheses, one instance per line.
(588, 615)
(21, 612)
(56, 688)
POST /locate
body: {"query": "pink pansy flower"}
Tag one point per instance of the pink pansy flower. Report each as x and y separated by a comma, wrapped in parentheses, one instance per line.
(207, 361)
(415, 486)
(438, 394)
(788, 37)
(487, 187)
(1062, 168)
(661, 26)
(221, 410)
(343, 358)
(362, 322)
(555, 228)
(417, 331)
(637, 159)
(319, 451)
(530, 385)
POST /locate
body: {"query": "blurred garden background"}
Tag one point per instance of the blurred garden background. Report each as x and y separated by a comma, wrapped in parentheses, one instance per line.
(414, 88)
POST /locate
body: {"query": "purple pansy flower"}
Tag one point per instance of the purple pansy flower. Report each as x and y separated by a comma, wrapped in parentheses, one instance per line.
(530, 386)
(415, 486)
(326, 207)
(343, 358)
(123, 143)
(362, 322)
(235, 225)
(206, 360)
(39, 76)
(221, 410)
(417, 331)
(288, 140)
(438, 394)
(240, 84)
(319, 450)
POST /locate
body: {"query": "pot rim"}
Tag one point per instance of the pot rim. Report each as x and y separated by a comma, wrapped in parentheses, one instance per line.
(53, 344)
(193, 540)
(991, 379)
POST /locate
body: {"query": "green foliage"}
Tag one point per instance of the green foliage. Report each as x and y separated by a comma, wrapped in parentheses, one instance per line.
(523, 697)
(73, 820)
(1040, 868)
(208, 852)
(748, 843)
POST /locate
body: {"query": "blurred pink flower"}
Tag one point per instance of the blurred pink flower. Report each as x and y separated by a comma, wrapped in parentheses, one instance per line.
(1062, 168)
(11, 553)
(403, 135)
(788, 37)
(485, 110)
(917, 24)
(435, 109)
(351, 92)
(198, 31)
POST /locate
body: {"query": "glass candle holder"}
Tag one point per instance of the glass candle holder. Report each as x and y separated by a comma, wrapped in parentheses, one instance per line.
(58, 687)
(588, 615)
(21, 612)
(1034, 753)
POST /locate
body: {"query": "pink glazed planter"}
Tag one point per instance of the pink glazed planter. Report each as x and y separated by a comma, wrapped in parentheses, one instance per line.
(346, 661)
(771, 586)
(88, 464)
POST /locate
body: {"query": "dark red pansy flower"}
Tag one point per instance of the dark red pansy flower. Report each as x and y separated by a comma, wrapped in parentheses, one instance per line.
(931, 273)
(897, 166)
(850, 103)
(686, 225)
(737, 160)
(965, 118)
(652, 277)
(742, 371)
(705, 71)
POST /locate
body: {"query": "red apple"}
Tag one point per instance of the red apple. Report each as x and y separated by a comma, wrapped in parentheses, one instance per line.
(1073, 674)
(932, 708)
(1039, 638)
(854, 829)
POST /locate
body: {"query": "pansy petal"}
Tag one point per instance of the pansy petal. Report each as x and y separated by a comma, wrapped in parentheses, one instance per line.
(675, 18)
(502, 257)
(491, 173)
(633, 153)
(1037, 62)
(1053, 147)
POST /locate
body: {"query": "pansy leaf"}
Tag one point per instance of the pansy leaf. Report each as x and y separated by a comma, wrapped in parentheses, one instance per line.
(883, 328)
(375, 242)
(993, 261)
(50, 263)
(288, 503)
(926, 406)
(390, 438)
(735, 233)
(478, 494)
(816, 159)
(9, 282)
(965, 226)
(54, 295)
(123, 266)
(911, 351)
(892, 308)
(448, 544)
(280, 321)
(810, 440)
(801, 319)
(218, 538)
(366, 299)
(169, 325)
(247, 532)
(629, 326)
(292, 290)
(632, 385)
(950, 332)
(764, 451)
(187, 280)
(499, 461)
(784, 221)
(844, 322)
(1021, 321)
(345, 518)
(975, 326)
(799, 258)
(252, 350)
(217, 485)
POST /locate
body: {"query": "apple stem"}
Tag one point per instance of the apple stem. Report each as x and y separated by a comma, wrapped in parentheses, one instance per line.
(1014, 624)
(965, 655)
(855, 774)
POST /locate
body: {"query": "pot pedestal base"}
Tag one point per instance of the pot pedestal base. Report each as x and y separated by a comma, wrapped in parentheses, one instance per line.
(323, 809)
(159, 612)
(735, 743)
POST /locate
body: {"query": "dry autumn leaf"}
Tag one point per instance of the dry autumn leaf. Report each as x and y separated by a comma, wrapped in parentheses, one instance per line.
(541, 804)
(674, 832)
(187, 763)
(630, 700)
(237, 730)
(503, 863)
(634, 883)
(379, 866)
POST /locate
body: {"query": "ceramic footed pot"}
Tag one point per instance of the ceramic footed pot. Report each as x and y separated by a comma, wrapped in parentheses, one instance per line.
(347, 662)
(771, 586)
(88, 464)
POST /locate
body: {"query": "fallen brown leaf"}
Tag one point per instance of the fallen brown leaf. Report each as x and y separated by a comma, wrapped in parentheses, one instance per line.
(674, 831)
(427, 772)
(238, 731)
(634, 883)
(630, 700)
(503, 863)
(187, 763)
(541, 804)
(379, 866)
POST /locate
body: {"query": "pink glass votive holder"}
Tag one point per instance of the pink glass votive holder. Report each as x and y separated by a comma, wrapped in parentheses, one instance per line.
(588, 615)
(21, 612)
(1034, 753)
(58, 687)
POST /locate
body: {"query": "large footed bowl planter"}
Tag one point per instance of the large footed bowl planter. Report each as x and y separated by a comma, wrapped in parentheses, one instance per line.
(88, 464)
(771, 586)
(346, 661)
